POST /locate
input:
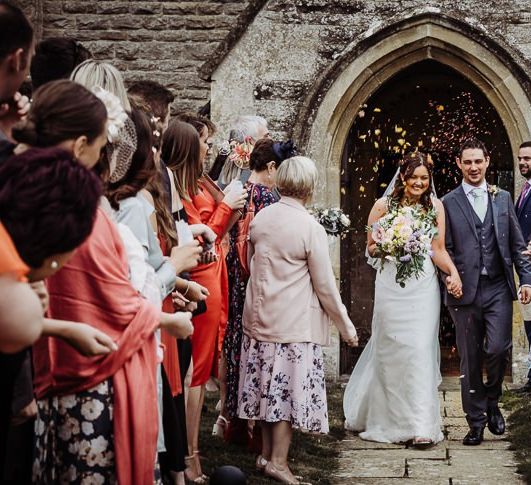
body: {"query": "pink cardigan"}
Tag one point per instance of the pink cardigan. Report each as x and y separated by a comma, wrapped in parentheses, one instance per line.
(292, 294)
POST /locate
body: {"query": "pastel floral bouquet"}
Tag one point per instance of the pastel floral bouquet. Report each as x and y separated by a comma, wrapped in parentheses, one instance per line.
(404, 236)
(334, 220)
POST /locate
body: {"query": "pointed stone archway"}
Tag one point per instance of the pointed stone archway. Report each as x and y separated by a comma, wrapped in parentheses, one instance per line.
(330, 109)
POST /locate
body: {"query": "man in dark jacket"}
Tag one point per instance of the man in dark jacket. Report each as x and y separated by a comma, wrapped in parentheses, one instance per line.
(523, 211)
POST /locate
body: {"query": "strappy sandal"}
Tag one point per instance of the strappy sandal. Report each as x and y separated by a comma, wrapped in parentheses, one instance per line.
(422, 443)
(279, 475)
(220, 427)
(261, 463)
(190, 463)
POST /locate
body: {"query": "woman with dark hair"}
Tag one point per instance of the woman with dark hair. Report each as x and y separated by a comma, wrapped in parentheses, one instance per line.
(56, 58)
(266, 157)
(65, 198)
(157, 274)
(184, 151)
(111, 397)
(401, 358)
(65, 114)
(39, 190)
(135, 211)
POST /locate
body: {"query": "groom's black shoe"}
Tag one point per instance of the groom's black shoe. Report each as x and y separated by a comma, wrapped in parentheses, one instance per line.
(525, 388)
(495, 420)
(474, 436)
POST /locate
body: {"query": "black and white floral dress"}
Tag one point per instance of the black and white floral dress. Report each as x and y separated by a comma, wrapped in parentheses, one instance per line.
(75, 438)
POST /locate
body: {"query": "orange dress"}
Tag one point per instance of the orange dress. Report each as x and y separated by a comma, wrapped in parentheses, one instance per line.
(10, 262)
(209, 327)
(171, 353)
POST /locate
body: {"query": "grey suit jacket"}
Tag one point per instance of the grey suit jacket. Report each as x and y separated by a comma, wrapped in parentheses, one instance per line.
(463, 244)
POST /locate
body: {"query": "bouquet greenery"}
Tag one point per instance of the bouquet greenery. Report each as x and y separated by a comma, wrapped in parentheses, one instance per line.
(403, 236)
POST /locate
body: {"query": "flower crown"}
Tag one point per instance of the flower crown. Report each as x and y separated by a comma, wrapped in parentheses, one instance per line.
(116, 115)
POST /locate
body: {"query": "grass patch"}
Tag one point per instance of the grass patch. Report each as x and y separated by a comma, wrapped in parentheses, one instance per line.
(312, 456)
(520, 430)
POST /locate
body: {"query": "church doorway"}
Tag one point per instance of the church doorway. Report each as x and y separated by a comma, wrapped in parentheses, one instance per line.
(430, 107)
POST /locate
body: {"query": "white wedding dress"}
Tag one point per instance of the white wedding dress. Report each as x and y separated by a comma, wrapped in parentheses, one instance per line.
(392, 393)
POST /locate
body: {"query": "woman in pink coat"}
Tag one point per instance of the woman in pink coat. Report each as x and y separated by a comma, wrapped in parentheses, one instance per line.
(290, 301)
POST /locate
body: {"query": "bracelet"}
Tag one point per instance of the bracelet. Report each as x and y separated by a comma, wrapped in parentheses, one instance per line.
(187, 288)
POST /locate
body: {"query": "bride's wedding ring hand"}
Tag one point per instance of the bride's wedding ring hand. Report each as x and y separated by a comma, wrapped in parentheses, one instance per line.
(454, 286)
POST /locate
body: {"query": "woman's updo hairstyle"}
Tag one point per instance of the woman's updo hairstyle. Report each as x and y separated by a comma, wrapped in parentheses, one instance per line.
(48, 203)
(141, 167)
(408, 165)
(267, 150)
(61, 110)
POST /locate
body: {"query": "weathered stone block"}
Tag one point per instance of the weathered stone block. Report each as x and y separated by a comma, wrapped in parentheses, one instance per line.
(74, 6)
(113, 8)
(143, 8)
(180, 8)
(280, 90)
(60, 22)
(93, 22)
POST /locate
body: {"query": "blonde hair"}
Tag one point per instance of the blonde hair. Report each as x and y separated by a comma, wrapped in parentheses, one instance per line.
(297, 177)
(93, 73)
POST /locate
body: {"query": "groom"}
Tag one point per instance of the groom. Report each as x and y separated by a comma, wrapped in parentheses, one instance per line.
(484, 240)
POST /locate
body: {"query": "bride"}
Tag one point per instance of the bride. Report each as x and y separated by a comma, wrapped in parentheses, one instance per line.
(392, 393)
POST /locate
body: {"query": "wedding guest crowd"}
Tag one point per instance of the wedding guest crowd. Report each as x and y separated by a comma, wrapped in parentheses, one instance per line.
(129, 277)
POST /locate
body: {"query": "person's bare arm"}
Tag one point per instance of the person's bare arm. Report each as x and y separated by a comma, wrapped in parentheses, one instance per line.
(21, 316)
(87, 340)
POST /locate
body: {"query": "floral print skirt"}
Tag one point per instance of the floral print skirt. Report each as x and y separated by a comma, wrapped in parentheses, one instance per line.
(75, 438)
(283, 382)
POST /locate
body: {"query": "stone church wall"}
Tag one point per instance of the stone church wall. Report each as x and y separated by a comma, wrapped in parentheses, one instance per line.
(290, 44)
(164, 41)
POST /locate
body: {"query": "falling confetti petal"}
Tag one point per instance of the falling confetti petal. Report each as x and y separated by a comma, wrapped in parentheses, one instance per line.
(377, 110)
(362, 188)
(401, 141)
(377, 132)
(439, 107)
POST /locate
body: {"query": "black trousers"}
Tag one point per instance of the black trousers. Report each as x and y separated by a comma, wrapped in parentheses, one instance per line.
(484, 336)
(174, 417)
(527, 326)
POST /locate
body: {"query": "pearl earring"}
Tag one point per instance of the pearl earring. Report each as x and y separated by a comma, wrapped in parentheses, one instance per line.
(54, 265)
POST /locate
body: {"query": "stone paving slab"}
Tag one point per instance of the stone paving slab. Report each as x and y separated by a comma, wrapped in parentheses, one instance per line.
(428, 470)
(503, 444)
(388, 481)
(450, 462)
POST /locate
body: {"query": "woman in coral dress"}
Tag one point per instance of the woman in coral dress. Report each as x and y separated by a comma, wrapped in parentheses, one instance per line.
(184, 152)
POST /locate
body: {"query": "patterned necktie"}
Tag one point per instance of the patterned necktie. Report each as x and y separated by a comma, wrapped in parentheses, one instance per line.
(525, 190)
(480, 208)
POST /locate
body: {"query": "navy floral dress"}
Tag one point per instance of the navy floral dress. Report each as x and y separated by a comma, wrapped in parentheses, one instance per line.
(262, 197)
